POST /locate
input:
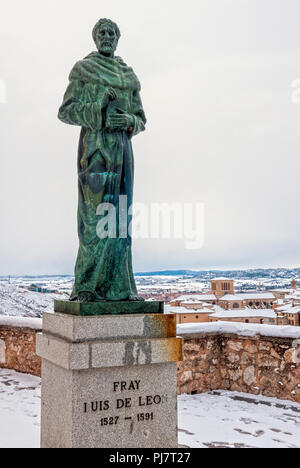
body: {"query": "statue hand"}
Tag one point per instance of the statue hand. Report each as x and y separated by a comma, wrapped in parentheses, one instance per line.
(120, 122)
(109, 95)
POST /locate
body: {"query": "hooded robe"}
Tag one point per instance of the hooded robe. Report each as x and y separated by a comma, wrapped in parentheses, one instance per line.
(105, 172)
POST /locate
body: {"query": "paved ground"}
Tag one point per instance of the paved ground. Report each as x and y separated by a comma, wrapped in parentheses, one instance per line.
(217, 419)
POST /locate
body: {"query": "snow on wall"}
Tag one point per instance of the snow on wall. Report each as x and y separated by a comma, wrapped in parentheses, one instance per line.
(240, 329)
(20, 322)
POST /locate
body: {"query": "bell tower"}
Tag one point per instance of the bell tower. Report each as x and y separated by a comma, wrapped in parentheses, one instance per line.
(222, 286)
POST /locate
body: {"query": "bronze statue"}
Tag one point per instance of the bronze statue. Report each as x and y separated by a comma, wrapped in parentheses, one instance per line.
(103, 97)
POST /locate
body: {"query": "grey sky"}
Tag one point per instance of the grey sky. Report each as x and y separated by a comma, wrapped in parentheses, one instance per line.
(216, 85)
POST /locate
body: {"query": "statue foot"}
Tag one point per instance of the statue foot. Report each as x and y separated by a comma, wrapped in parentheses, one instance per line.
(133, 297)
(86, 297)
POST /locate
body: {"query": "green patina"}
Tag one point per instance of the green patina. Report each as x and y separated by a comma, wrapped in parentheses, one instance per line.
(108, 308)
(103, 97)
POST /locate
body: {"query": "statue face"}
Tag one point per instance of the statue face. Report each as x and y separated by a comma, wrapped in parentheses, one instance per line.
(106, 40)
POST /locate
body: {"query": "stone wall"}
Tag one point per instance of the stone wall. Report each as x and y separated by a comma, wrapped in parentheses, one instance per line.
(17, 345)
(257, 364)
(258, 359)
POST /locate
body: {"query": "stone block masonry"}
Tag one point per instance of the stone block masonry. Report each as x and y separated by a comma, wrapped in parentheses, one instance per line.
(258, 359)
(18, 343)
(221, 358)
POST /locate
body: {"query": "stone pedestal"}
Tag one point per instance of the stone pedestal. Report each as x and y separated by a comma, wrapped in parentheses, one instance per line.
(109, 381)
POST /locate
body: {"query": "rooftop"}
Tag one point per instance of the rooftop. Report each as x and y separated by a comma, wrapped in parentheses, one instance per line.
(248, 296)
(183, 310)
(288, 309)
(244, 313)
(196, 297)
(222, 279)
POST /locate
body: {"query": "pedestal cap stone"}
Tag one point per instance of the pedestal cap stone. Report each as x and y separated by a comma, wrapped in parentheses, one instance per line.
(82, 328)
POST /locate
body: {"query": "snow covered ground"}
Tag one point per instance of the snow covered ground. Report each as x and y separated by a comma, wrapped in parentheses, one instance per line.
(17, 301)
(216, 419)
(235, 420)
(19, 410)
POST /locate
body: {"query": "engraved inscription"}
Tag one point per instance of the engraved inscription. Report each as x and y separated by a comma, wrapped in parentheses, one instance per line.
(123, 385)
(118, 403)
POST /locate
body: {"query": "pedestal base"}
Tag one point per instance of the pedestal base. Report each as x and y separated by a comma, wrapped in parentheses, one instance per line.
(109, 381)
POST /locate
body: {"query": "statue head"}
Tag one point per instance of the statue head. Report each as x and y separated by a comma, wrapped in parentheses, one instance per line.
(106, 35)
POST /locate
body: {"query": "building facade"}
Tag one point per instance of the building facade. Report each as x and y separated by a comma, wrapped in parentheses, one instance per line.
(223, 304)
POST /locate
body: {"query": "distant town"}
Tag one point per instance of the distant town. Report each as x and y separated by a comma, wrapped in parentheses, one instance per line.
(222, 303)
(268, 296)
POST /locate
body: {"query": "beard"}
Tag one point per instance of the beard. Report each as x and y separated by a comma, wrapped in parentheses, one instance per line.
(106, 48)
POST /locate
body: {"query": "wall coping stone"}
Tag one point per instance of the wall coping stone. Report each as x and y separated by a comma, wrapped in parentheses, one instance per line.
(249, 330)
(20, 322)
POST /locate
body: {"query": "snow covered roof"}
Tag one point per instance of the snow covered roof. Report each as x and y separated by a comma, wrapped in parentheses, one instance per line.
(196, 298)
(232, 297)
(191, 302)
(183, 310)
(293, 295)
(240, 329)
(289, 309)
(244, 313)
(284, 291)
(248, 296)
(222, 279)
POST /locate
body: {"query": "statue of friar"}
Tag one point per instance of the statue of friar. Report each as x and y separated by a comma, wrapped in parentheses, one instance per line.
(103, 97)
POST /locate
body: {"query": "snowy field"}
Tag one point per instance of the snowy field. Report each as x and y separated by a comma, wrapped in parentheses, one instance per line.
(17, 300)
(217, 419)
(19, 410)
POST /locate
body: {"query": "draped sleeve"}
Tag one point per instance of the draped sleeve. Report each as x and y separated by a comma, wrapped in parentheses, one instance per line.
(76, 111)
(138, 114)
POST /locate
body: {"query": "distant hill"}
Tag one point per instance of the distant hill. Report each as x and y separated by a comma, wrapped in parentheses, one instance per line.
(264, 273)
(284, 273)
(169, 273)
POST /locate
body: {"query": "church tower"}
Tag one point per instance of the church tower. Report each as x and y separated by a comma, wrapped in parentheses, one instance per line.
(222, 286)
(294, 284)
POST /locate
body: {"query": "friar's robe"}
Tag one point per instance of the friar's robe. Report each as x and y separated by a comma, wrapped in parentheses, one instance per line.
(105, 171)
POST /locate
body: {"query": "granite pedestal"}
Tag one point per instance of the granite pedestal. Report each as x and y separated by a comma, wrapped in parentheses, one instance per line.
(109, 381)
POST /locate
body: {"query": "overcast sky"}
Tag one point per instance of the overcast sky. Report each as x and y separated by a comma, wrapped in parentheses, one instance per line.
(222, 129)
